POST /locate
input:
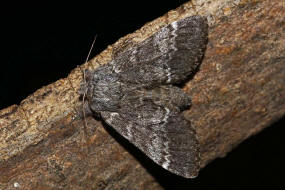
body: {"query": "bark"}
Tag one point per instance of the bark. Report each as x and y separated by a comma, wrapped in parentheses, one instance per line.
(237, 92)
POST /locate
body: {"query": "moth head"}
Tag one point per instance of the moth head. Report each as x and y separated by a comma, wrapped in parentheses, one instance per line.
(104, 92)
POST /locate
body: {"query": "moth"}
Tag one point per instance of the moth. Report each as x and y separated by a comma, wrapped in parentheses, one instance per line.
(136, 94)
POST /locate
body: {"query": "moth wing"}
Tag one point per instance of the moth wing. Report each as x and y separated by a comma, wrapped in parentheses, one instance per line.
(176, 50)
(163, 135)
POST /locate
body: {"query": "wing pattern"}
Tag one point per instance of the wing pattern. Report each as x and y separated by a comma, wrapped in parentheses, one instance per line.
(135, 94)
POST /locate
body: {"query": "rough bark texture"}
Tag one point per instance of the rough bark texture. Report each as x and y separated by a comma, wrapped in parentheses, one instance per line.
(237, 92)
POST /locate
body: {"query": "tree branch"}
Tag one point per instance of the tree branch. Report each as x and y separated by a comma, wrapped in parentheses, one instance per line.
(237, 92)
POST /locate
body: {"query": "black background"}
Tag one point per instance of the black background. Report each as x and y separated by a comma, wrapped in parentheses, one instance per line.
(42, 43)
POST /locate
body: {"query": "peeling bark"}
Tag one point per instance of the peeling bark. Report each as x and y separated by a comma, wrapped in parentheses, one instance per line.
(237, 92)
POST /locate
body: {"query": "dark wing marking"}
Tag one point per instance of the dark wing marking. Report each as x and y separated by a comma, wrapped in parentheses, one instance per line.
(174, 52)
(161, 132)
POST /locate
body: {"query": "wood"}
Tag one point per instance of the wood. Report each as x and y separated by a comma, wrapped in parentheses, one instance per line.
(237, 92)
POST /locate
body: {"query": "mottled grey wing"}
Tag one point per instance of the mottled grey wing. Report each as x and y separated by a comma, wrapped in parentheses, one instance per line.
(145, 109)
(161, 132)
(172, 53)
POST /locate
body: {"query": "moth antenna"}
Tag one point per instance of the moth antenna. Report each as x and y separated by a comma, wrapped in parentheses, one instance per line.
(87, 58)
(85, 82)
